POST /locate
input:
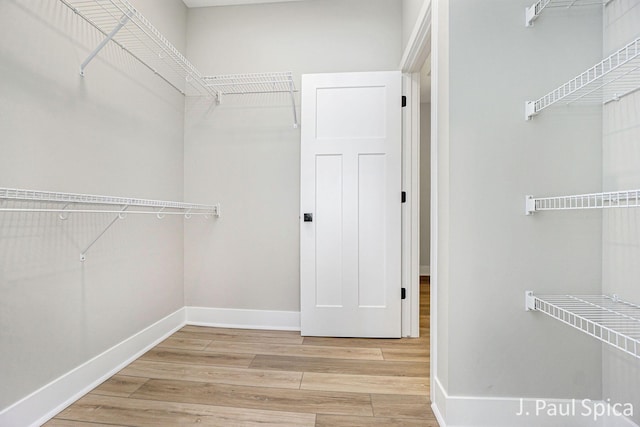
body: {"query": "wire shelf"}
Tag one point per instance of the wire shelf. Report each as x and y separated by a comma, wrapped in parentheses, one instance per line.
(610, 80)
(603, 317)
(255, 83)
(534, 11)
(612, 199)
(251, 83)
(90, 199)
(122, 24)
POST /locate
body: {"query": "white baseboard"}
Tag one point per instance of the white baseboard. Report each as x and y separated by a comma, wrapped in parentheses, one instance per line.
(43, 404)
(425, 270)
(245, 319)
(469, 411)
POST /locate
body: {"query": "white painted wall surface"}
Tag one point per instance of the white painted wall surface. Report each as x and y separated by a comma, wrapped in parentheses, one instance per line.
(489, 158)
(117, 131)
(246, 153)
(410, 11)
(621, 235)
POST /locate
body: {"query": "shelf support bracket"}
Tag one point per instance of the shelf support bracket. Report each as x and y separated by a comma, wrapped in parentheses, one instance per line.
(529, 301)
(530, 110)
(531, 15)
(530, 205)
(293, 105)
(123, 21)
(113, 221)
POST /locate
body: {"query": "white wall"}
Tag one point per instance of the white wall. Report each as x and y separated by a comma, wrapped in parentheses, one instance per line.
(425, 185)
(246, 153)
(621, 234)
(117, 131)
(489, 158)
(410, 11)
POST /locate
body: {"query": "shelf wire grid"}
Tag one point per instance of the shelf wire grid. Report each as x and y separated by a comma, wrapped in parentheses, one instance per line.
(143, 41)
(612, 199)
(603, 317)
(610, 80)
(536, 9)
(254, 83)
(89, 199)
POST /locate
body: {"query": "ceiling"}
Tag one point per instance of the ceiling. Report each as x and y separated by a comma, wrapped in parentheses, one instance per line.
(208, 3)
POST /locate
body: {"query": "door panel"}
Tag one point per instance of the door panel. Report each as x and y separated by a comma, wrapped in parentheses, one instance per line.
(350, 183)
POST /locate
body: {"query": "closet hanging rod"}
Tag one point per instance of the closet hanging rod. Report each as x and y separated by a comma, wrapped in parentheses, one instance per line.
(611, 79)
(91, 199)
(611, 199)
(533, 12)
(123, 25)
(606, 318)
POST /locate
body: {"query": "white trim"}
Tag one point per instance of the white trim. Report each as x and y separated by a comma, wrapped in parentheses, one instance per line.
(419, 44)
(468, 411)
(411, 209)
(425, 270)
(44, 403)
(243, 319)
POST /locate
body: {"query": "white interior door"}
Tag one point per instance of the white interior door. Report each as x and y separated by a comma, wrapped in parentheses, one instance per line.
(350, 229)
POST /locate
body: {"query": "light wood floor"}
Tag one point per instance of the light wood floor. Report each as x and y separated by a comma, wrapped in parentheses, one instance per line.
(234, 377)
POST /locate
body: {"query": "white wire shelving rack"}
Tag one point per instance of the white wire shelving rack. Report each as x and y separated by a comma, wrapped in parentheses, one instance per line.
(123, 25)
(611, 199)
(606, 318)
(254, 83)
(65, 203)
(610, 80)
(533, 12)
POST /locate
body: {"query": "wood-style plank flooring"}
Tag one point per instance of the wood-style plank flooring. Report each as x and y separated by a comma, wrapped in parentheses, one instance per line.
(234, 377)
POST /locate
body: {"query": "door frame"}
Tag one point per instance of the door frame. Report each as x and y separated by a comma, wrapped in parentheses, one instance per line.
(417, 51)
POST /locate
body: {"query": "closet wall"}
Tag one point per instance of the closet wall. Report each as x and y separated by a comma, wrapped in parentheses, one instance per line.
(621, 227)
(117, 131)
(490, 350)
(246, 152)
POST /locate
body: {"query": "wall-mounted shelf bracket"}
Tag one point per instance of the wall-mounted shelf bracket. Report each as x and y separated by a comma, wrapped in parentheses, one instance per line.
(530, 205)
(529, 301)
(121, 23)
(120, 215)
(530, 110)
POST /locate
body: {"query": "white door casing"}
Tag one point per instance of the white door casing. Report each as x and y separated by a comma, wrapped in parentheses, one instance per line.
(351, 171)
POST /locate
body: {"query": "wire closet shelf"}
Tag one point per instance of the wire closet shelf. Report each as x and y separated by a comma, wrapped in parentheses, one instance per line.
(606, 318)
(118, 21)
(610, 80)
(611, 199)
(254, 83)
(534, 11)
(89, 203)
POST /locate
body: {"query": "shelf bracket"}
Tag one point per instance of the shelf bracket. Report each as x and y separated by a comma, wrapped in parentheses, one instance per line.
(293, 104)
(531, 15)
(530, 110)
(529, 301)
(123, 21)
(113, 221)
(530, 205)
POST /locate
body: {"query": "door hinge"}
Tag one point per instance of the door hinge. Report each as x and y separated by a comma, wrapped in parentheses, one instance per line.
(404, 101)
(403, 293)
(403, 197)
